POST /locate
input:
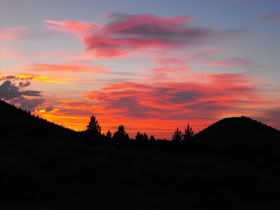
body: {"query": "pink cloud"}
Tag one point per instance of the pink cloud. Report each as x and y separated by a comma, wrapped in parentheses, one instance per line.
(271, 116)
(155, 107)
(6, 53)
(125, 34)
(75, 27)
(171, 65)
(200, 102)
(173, 100)
(11, 34)
(128, 33)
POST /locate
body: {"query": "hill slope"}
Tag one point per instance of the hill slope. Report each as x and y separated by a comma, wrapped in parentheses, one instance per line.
(241, 132)
(38, 167)
(16, 125)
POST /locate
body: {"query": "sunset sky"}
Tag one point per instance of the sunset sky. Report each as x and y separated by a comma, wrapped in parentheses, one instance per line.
(150, 65)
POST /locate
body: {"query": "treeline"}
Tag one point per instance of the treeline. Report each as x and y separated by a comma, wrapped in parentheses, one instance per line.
(93, 131)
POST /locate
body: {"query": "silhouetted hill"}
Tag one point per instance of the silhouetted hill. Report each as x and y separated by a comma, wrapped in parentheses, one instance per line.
(16, 125)
(239, 133)
(41, 169)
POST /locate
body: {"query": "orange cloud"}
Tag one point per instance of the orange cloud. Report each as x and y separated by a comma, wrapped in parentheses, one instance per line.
(66, 68)
(35, 77)
(159, 107)
(69, 113)
(43, 78)
(154, 107)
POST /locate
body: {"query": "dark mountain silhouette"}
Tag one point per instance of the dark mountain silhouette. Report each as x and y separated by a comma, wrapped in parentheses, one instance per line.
(16, 124)
(46, 166)
(239, 133)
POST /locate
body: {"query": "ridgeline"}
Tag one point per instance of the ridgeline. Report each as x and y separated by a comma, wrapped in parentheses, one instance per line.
(232, 164)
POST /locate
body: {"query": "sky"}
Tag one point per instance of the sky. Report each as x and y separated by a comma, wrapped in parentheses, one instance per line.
(151, 65)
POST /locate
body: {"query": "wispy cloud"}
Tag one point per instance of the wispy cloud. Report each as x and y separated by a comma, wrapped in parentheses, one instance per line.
(75, 27)
(228, 63)
(43, 78)
(10, 34)
(128, 33)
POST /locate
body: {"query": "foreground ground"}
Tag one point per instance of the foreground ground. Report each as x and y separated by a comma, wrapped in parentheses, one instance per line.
(81, 176)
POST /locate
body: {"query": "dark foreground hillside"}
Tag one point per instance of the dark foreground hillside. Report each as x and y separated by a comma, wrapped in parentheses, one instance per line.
(239, 133)
(18, 126)
(44, 166)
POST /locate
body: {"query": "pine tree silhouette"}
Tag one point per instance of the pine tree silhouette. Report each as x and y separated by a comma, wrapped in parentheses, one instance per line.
(108, 136)
(189, 134)
(177, 136)
(138, 137)
(93, 128)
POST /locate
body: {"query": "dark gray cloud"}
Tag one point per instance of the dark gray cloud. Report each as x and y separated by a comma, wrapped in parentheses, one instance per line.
(31, 93)
(9, 91)
(275, 16)
(132, 107)
(49, 108)
(28, 104)
(12, 91)
(184, 96)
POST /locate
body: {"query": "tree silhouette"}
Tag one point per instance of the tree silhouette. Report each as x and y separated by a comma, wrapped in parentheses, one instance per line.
(235, 145)
(108, 136)
(177, 136)
(138, 136)
(188, 135)
(120, 135)
(141, 137)
(145, 137)
(152, 138)
(93, 128)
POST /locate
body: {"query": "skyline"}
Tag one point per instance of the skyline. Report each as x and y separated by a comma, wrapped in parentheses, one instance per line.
(152, 66)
